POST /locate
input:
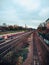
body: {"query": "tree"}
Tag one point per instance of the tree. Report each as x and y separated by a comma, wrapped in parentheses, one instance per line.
(4, 24)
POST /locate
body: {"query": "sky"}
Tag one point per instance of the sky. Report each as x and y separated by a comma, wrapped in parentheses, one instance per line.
(21, 12)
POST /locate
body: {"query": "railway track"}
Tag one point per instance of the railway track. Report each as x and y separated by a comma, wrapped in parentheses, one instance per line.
(33, 58)
(40, 51)
(36, 60)
(8, 46)
(37, 47)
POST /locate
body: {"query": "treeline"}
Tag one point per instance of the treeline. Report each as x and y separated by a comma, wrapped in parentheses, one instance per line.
(13, 28)
(43, 29)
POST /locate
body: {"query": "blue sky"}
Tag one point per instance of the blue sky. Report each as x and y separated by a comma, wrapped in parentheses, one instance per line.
(21, 12)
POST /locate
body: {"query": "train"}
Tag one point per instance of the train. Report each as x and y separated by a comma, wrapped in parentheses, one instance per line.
(2, 39)
(9, 36)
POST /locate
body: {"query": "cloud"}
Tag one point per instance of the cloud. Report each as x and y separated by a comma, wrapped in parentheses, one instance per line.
(44, 12)
(28, 4)
(30, 23)
(35, 23)
(21, 12)
(8, 14)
